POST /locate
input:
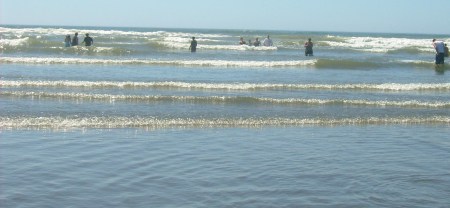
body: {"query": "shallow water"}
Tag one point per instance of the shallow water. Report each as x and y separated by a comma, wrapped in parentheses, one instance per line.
(343, 166)
(138, 121)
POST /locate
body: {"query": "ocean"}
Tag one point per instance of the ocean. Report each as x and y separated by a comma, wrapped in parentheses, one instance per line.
(137, 120)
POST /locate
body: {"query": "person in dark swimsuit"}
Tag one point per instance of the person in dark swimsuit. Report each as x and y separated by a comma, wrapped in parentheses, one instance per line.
(257, 42)
(75, 40)
(88, 41)
(193, 46)
(309, 48)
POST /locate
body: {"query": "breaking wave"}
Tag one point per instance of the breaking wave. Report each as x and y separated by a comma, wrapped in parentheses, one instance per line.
(228, 86)
(382, 44)
(22, 38)
(158, 123)
(226, 99)
(317, 63)
(213, 63)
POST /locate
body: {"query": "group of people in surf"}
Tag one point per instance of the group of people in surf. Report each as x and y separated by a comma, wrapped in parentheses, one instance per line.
(441, 48)
(266, 42)
(88, 41)
(441, 51)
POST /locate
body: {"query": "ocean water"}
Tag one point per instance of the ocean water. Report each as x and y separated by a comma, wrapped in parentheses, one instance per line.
(138, 121)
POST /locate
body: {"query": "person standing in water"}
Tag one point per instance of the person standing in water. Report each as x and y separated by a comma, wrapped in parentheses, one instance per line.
(267, 42)
(193, 46)
(88, 41)
(440, 51)
(75, 40)
(309, 48)
(257, 42)
(67, 41)
(242, 41)
(446, 50)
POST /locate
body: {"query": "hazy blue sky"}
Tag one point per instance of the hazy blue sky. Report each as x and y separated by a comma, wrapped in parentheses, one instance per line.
(404, 16)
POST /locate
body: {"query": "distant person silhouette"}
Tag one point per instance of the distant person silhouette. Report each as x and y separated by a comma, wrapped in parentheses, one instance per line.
(257, 42)
(88, 41)
(309, 48)
(75, 40)
(193, 46)
(446, 50)
(267, 41)
(242, 41)
(67, 41)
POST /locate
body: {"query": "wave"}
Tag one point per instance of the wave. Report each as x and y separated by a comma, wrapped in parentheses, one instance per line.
(346, 64)
(229, 86)
(225, 99)
(181, 41)
(183, 45)
(56, 48)
(213, 40)
(78, 50)
(159, 123)
(33, 44)
(418, 63)
(213, 63)
(411, 50)
(36, 45)
(317, 63)
(382, 44)
(40, 31)
(13, 42)
(370, 64)
(32, 39)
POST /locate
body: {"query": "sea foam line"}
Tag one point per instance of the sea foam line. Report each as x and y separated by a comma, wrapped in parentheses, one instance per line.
(213, 63)
(225, 99)
(106, 33)
(154, 122)
(381, 44)
(226, 86)
(185, 45)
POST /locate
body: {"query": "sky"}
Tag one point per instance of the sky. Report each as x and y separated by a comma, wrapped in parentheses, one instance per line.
(383, 16)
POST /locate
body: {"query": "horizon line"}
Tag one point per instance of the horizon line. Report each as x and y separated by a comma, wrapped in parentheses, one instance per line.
(201, 28)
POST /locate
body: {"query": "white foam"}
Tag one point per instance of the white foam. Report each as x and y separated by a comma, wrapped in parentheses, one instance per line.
(225, 99)
(382, 45)
(13, 42)
(212, 63)
(180, 40)
(108, 33)
(416, 62)
(229, 86)
(59, 122)
(183, 43)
